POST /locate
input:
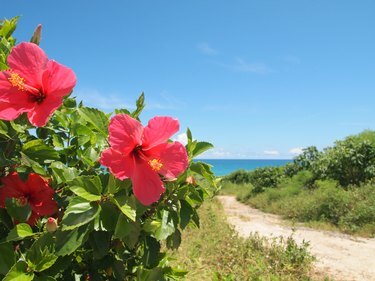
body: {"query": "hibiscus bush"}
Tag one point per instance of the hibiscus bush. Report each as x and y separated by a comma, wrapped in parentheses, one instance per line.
(84, 194)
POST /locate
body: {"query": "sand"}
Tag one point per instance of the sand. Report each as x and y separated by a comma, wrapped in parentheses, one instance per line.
(340, 256)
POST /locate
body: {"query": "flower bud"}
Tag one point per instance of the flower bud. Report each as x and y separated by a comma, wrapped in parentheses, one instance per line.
(51, 225)
(37, 35)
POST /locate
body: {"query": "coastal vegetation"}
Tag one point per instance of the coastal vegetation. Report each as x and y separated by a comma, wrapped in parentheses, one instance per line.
(333, 188)
(216, 252)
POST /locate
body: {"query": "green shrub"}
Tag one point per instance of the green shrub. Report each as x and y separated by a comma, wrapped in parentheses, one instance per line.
(262, 178)
(238, 177)
(351, 162)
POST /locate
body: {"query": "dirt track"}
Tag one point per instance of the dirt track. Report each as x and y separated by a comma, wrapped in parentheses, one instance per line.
(339, 256)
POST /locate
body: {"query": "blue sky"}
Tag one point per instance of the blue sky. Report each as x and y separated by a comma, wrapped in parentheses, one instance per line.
(258, 79)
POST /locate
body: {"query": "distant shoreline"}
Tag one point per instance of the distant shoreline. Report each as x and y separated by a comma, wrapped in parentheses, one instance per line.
(222, 167)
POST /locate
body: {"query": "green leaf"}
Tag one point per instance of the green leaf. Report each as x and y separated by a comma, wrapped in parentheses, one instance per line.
(108, 215)
(90, 156)
(186, 212)
(151, 252)
(57, 141)
(166, 227)
(35, 166)
(7, 27)
(201, 147)
(42, 255)
(69, 241)
(126, 205)
(4, 129)
(79, 212)
(100, 243)
(61, 173)
(16, 210)
(20, 231)
(7, 257)
(19, 272)
(189, 135)
(96, 118)
(38, 151)
(87, 187)
(150, 274)
(140, 103)
(174, 240)
(128, 231)
(70, 102)
(204, 170)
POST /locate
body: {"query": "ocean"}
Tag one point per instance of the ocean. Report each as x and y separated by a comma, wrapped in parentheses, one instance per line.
(222, 167)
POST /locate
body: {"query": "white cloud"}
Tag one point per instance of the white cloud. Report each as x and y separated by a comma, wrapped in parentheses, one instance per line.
(271, 152)
(165, 101)
(296, 150)
(106, 102)
(207, 49)
(182, 138)
(244, 66)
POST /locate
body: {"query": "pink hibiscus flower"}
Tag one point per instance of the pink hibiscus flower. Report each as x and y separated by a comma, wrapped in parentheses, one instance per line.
(142, 153)
(33, 84)
(35, 191)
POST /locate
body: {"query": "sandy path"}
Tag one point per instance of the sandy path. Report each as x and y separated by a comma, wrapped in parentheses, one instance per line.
(340, 256)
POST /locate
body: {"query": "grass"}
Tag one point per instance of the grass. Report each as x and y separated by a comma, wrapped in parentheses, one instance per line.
(216, 252)
(326, 206)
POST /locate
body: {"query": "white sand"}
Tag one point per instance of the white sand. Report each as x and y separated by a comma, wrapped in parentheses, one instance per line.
(339, 256)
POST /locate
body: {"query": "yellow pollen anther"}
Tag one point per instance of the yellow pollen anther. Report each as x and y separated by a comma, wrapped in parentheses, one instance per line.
(17, 81)
(155, 164)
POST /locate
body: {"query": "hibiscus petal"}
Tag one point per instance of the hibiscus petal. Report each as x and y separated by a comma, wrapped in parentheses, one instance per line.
(147, 186)
(13, 95)
(159, 130)
(29, 61)
(58, 80)
(10, 111)
(12, 187)
(172, 156)
(119, 165)
(124, 133)
(40, 114)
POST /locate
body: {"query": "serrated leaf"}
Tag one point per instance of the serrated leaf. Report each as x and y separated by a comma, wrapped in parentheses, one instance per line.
(201, 147)
(69, 241)
(38, 151)
(126, 205)
(96, 118)
(79, 212)
(127, 230)
(87, 187)
(19, 273)
(42, 255)
(61, 173)
(166, 227)
(20, 231)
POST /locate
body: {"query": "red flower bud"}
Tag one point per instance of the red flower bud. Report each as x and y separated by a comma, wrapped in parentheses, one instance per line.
(51, 225)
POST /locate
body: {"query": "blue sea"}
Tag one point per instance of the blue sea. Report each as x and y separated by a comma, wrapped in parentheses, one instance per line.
(223, 167)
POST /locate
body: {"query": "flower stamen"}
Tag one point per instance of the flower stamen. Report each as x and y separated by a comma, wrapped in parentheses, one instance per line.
(17, 81)
(155, 164)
